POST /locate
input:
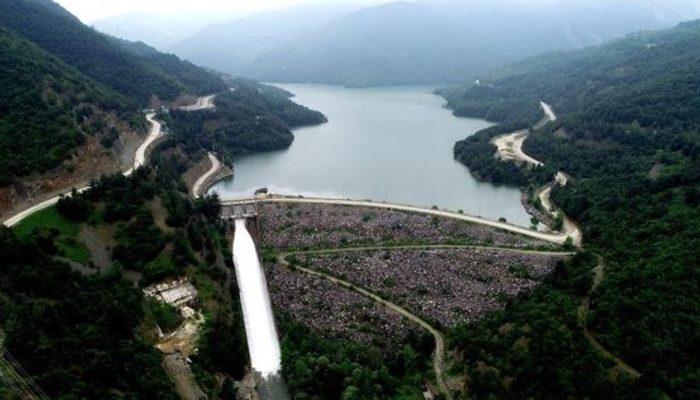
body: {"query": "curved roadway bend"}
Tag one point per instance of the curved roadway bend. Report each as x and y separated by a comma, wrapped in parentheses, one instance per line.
(215, 167)
(139, 160)
(570, 227)
(548, 237)
(510, 145)
(203, 103)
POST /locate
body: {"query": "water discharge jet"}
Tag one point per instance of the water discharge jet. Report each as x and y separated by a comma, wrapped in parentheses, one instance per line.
(261, 333)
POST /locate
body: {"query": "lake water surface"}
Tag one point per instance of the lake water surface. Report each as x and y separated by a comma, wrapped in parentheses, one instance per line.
(386, 144)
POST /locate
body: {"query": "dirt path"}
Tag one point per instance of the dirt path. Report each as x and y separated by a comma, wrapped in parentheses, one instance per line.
(547, 237)
(510, 148)
(203, 103)
(215, 167)
(438, 355)
(510, 145)
(139, 160)
(620, 365)
(569, 228)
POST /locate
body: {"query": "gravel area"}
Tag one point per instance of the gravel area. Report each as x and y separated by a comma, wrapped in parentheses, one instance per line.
(304, 226)
(333, 311)
(445, 286)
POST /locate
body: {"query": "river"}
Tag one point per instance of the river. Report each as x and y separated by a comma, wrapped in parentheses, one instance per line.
(386, 144)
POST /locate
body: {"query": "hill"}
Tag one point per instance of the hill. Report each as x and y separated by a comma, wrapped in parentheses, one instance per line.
(71, 109)
(44, 95)
(55, 30)
(72, 308)
(414, 42)
(230, 46)
(251, 118)
(628, 134)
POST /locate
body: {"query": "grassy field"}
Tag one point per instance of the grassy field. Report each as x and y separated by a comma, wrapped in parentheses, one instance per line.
(49, 220)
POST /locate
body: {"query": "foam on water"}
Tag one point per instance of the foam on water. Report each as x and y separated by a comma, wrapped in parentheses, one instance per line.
(263, 343)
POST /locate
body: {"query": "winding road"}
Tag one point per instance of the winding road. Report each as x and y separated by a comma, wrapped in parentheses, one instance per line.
(215, 167)
(510, 148)
(569, 228)
(203, 103)
(139, 160)
(620, 365)
(510, 145)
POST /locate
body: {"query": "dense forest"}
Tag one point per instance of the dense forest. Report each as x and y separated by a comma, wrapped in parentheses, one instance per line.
(65, 83)
(251, 117)
(96, 55)
(628, 134)
(317, 368)
(78, 322)
(41, 95)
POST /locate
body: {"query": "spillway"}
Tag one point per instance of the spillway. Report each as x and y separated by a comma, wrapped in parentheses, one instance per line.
(261, 333)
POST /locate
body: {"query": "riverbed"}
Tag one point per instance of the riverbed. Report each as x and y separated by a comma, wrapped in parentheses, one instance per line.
(386, 144)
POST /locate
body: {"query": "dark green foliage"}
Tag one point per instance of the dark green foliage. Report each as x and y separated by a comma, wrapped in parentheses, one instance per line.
(252, 118)
(46, 108)
(80, 338)
(534, 348)
(67, 330)
(140, 241)
(629, 118)
(223, 347)
(75, 208)
(165, 315)
(98, 56)
(197, 79)
(318, 368)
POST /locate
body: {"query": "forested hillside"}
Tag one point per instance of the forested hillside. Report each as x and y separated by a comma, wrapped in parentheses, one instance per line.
(68, 87)
(47, 109)
(96, 55)
(628, 133)
(72, 311)
(250, 118)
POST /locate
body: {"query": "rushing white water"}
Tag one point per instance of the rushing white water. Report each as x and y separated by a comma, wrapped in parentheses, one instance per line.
(263, 344)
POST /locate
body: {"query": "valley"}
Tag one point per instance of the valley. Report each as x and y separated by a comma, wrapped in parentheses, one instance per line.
(440, 201)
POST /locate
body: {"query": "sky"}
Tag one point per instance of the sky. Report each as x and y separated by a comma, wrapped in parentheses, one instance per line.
(91, 10)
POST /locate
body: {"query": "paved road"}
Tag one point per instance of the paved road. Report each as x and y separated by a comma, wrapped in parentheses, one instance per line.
(139, 160)
(548, 237)
(203, 103)
(153, 134)
(215, 167)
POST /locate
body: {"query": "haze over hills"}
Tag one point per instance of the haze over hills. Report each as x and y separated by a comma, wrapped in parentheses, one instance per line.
(422, 42)
(233, 45)
(133, 289)
(161, 31)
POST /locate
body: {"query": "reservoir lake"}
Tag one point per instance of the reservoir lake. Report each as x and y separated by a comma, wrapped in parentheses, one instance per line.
(392, 144)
